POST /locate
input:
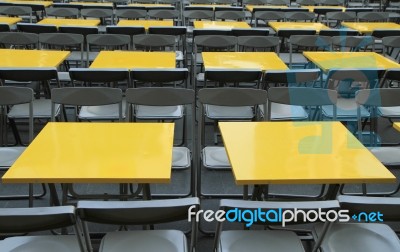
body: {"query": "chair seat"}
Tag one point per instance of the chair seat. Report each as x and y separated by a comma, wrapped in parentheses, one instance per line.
(105, 112)
(297, 58)
(215, 157)
(145, 241)
(159, 112)
(178, 55)
(64, 76)
(359, 237)
(8, 155)
(180, 158)
(224, 112)
(43, 243)
(389, 111)
(259, 240)
(389, 156)
(41, 109)
(286, 112)
(346, 110)
(75, 56)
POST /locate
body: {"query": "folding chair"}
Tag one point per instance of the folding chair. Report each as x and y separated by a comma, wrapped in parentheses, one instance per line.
(140, 213)
(18, 40)
(105, 42)
(14, 96)
(373, 16)
(164, 100)
(23, 220)
(258, 43)
(353, 43)
(16, 11)
(62, 12)
(391, 46)
(242, 103)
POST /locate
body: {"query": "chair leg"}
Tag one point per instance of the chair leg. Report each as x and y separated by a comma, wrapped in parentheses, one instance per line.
(30, 196)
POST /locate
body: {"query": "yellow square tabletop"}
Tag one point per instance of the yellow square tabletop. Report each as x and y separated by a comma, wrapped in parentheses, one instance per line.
(331, 60)
(369, 27)
(32, 58)
(97, 153)
(252, 8)
(127, 59)
(209, 5)
(92, 4)
(146, 23)
(10, 20)
(221, 25)
(299, 153)
(70, 22)
(297, 26)
(243, 60)
(311, 8)
(151, 5)
(42, 3)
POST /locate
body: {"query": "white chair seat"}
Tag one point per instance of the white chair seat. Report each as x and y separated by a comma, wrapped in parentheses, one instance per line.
(178, 55)
(259, 240)
(105, 112)
(286, 112)
(389, 111)
(145, 241)
(215, 157)
(225, 112)
(346, 109)
(41, 109)
(8, 155)
(180, 158)
(64, 76)
(158, 112)
(75, 56)
(45, 243)
(387, 155)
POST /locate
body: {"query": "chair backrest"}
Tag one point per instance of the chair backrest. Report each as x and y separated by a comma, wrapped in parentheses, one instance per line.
(99, 75)
(230, 15)
(159, 76)
(389, 46)
(224, 77)
(153, 42)
(302, 96)
(258, 43)
(16, 10)
(353, 43)
(190, 15)
(97, 12)
(299, 16)
(130, 13)
(269, 15)
(308, 42)
(62, 12)
(215, 42)
(36, 28)
(332, 2)
(19, 40)
(86, 96)
(335, 18)
(290, 77)
(373, 16)
(163, 14)
(390, 76)
(109, 41)
(18, 95)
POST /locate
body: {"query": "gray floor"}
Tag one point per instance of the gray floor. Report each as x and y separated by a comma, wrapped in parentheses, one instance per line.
(212, 182)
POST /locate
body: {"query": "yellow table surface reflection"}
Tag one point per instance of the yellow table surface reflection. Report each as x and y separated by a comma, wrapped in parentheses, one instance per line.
(311, 8)
(10, 20)
(297, 25)
(396, 125)
(146, 23)
(96, 153)
(243, 60)
(220, 25)
(252, 8)
(299, 153)
(70, 21)
(330, 60)
(32, 58)
(369, 27)
(129, 59)
(92, 4)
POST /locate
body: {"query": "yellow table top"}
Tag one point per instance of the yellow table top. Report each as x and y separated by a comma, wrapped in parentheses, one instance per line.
(299, 153)
(10, 20)
(43, 3)
(311, 8)
(298, 25)
(209, 5)
(330, 60)
(92, 3)
(220, 25)
(369, 27)
(150, 5)
(129, 59)
(396, 125)
(97, 153)
(251, 7)
(72, 22)
(243, 60)
(32, 58)
(146, 23)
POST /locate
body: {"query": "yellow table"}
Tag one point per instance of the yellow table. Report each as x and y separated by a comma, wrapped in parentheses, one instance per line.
(253, 8)
(92, 4)
(297, 26)
(220, 25)
(25, 2)
(146, 23)
(209, 5)
(396, 125)
(330, 60)
(32, 58)
(70, 22)
(299, 153)
(10, 20)
(243, 60)
(126, 59)
(151, 5)
(97, 153)
(311, 8)
(369, 27)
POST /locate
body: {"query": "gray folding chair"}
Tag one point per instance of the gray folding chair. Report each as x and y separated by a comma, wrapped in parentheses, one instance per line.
(24, 220)
(15, 11)
(98, 42)
(391, 46)
(19, 40)
(373, 16)
(362, 237)
(335, 18)
(62, 12)
(269, 240)
(165, 99)
(293, 16)
(243, 101)
(225, 15)
(266, 16)
(104, 14)
(353, 43)
(140, 213)
(258, 43)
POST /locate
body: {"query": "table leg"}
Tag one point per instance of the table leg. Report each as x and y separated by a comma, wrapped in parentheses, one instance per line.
(54, 200)
(146, 192)
(331, 192)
